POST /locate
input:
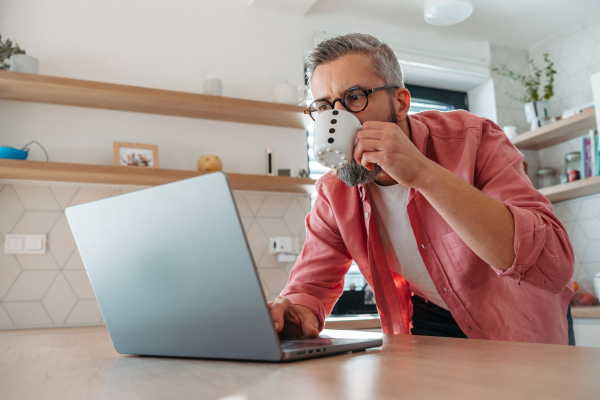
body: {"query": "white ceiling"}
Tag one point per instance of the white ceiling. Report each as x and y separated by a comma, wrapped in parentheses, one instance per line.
(513, 23)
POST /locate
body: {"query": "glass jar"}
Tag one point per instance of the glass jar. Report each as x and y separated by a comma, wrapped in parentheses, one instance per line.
(573, 161)
(546, 177)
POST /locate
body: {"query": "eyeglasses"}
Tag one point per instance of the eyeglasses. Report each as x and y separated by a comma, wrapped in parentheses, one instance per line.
(355, 100)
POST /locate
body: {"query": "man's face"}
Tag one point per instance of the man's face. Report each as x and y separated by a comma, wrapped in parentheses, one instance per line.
(331, 80)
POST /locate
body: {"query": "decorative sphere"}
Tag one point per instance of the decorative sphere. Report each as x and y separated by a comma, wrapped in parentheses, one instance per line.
(210, 164)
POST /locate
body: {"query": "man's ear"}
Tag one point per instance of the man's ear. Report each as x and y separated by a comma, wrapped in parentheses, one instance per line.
(402, 103)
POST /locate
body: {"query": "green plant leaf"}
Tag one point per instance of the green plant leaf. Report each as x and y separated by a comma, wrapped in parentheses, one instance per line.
(7, 49)
(532, 82)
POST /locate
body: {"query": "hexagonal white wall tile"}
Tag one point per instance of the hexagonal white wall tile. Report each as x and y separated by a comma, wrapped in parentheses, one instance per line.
(36, 222)
(592, 252)
(28, 314)
(5, 321)
(590, 227)
(579, 242)
(275, 279)
(60, 241)
(80, 283)
(257, 241)
(59, 300)
(242, 206)
(75, 262)
(590, 207)
(11, 209)
(254, 201)
(64, 194)
(30, 286)
(274, 206)
(37, 262)
(294, 217)
(35, 197)
(9, 271)
(85, 312)
(88, 194)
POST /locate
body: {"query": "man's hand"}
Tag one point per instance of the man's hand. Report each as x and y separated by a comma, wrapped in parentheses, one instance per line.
(293, 320)
(385, 144)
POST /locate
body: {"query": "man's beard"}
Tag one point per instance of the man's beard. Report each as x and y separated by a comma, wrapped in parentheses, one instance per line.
(355, 174)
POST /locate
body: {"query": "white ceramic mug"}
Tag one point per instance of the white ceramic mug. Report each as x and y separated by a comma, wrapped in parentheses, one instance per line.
(335, 138)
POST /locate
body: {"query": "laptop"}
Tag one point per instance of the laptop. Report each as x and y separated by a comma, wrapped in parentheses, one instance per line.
(174, 276)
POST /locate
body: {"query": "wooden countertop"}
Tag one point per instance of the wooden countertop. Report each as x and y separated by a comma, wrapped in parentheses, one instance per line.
(373, 322)
(80, 363)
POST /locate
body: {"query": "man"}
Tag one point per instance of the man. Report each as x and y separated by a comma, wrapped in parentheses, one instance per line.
(436, 211)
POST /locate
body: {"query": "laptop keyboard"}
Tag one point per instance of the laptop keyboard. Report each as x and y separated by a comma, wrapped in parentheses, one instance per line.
(290, 344)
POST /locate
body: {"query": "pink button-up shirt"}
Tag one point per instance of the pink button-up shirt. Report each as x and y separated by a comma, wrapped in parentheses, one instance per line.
(528, 302)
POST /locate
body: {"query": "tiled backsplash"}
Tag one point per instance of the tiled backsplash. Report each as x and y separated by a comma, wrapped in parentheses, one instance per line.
(53, 289)
(581, 218)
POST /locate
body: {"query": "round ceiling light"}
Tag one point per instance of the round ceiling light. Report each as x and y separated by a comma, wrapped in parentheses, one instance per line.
(447, 12)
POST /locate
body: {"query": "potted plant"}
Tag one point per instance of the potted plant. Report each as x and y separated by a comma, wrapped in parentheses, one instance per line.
(537, 108)
(7, 49)
(14, 58)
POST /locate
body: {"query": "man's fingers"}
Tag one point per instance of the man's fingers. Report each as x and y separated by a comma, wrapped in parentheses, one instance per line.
(292, 320)
(310, 327)
(278, 308)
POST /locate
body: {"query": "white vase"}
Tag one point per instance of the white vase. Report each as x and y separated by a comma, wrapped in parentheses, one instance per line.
(537, 113)
(24, 63)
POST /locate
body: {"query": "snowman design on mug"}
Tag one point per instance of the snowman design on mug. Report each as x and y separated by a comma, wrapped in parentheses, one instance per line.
(335, 138)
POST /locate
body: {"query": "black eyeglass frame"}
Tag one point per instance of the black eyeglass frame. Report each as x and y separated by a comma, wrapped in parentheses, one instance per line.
(366, 92)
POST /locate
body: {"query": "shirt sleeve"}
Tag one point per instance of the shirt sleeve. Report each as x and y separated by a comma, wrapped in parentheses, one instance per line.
(544, 256)
(317, 279)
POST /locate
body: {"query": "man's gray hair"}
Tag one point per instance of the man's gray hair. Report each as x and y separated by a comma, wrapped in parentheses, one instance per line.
(384, 60)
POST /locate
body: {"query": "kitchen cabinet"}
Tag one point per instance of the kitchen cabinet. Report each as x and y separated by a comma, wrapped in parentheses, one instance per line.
(559, 132)
(73, 92)
(586, 324)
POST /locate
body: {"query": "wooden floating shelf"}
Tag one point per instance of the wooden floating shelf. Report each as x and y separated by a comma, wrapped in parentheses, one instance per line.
(81, 93)
(557, 132)
(572, 190)
(116, 175)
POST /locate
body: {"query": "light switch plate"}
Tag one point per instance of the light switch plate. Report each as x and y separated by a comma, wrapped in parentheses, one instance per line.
(17, 243)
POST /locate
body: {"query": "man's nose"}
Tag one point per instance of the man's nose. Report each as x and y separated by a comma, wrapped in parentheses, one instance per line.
(338, 104)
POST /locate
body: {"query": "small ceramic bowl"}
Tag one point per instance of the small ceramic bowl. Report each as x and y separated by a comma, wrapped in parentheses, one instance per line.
(12, 153)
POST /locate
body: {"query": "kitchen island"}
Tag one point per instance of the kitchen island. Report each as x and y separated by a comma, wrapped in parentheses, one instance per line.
(80, 363)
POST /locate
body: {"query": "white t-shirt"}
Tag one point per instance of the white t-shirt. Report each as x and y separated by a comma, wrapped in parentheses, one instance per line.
(399, 241)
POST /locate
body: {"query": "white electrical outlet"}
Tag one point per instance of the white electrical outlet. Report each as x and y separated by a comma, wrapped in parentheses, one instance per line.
(24, 244)
(283, 244)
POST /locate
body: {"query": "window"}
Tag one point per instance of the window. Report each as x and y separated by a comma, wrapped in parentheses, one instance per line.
(425, 98)
(422, 99)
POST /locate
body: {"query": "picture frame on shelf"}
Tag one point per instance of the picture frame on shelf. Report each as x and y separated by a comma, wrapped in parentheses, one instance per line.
(135, 154)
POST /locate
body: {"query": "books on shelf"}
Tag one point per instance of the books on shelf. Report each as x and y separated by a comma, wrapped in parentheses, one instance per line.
(590, 155)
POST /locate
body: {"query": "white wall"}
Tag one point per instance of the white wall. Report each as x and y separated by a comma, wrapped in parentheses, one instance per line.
(482, 100)
(174, 45)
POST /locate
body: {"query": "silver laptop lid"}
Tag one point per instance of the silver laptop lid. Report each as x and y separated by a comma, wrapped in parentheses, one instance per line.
(173, 273)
